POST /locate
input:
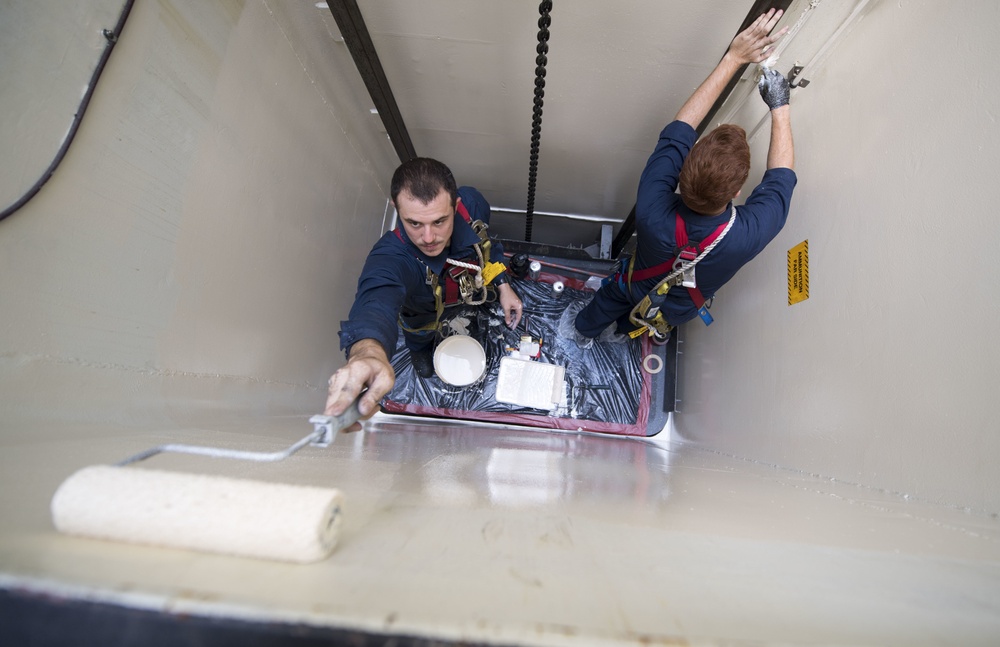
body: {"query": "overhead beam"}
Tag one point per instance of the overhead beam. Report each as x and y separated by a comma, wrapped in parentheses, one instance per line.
(759, 7)
(359, 43)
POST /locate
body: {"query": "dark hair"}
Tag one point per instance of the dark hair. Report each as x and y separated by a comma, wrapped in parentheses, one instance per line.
(715, 169)
(423, 178)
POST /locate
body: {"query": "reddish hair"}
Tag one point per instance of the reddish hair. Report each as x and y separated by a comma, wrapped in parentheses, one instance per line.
(715, 169)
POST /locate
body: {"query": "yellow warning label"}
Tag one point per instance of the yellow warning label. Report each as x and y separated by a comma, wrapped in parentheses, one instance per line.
(798, 273)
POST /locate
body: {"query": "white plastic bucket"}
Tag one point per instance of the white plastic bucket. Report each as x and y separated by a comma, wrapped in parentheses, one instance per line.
(460, 360)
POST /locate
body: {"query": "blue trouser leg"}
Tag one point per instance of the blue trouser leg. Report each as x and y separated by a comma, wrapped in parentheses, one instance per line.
(608, 305)
(419, 341)
(422, 340)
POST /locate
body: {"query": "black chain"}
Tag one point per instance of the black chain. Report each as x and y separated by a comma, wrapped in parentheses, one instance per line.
(536, 121)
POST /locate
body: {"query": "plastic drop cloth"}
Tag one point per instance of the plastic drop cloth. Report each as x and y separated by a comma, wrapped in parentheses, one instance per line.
(606, 389)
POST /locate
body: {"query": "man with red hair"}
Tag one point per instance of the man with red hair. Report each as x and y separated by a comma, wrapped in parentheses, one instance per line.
(674, 230)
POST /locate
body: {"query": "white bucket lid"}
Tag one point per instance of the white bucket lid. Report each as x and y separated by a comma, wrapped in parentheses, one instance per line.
(459, 360)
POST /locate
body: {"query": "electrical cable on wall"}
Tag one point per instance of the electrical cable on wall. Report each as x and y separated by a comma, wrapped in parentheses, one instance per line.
(536, 121)
(111, 37)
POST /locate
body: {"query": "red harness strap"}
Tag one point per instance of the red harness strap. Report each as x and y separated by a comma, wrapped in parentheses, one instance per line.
(690, 252)
(687, 253)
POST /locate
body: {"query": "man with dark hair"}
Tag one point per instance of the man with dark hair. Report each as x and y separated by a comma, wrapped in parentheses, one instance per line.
(667, 280)
(440, 254)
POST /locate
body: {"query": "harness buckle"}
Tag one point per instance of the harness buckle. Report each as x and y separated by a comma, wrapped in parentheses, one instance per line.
(688, 254)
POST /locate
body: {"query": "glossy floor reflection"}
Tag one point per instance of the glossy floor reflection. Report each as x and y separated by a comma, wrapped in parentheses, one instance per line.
(493, 534)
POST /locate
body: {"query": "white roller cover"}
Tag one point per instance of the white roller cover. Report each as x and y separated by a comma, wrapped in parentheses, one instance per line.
(208, 513)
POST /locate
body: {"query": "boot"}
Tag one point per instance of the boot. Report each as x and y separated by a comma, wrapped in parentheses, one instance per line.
(423, 362)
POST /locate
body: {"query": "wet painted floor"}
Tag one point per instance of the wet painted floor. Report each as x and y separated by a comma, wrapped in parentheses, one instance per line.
(491, 534)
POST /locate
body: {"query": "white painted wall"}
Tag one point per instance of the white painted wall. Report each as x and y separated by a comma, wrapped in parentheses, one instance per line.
(184, 273)
(194, 252)
(48, 52)
(887, 375)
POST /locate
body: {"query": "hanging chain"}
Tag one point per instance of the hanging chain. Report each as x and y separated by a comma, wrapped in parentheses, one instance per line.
(536, 122)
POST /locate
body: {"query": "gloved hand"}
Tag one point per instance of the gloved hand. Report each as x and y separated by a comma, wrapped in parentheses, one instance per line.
(773, 88)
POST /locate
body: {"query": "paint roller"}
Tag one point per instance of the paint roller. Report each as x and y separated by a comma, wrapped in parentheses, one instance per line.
(216, 514)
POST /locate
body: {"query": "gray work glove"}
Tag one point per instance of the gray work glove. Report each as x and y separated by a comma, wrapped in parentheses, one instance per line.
(774, 88)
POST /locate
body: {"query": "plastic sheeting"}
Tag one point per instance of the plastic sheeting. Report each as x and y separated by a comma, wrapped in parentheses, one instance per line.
(606, 389)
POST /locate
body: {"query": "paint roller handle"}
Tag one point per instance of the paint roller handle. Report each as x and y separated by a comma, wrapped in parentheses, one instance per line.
(367, 377)
(325, 428)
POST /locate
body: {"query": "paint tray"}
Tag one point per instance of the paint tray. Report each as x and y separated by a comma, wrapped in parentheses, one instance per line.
(532, 384)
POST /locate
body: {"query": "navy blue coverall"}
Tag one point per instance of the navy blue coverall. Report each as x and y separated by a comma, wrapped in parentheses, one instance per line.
(757, 222)
(393, 283)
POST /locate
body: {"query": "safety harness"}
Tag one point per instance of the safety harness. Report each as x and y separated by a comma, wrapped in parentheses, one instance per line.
(464, 282)
(647, 314)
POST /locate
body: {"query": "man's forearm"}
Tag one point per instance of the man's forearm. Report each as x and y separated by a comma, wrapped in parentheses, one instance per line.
(696, 108)
(511, 305)
(781, 153)
(367, 374)
(367, 348)
(752, 45)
